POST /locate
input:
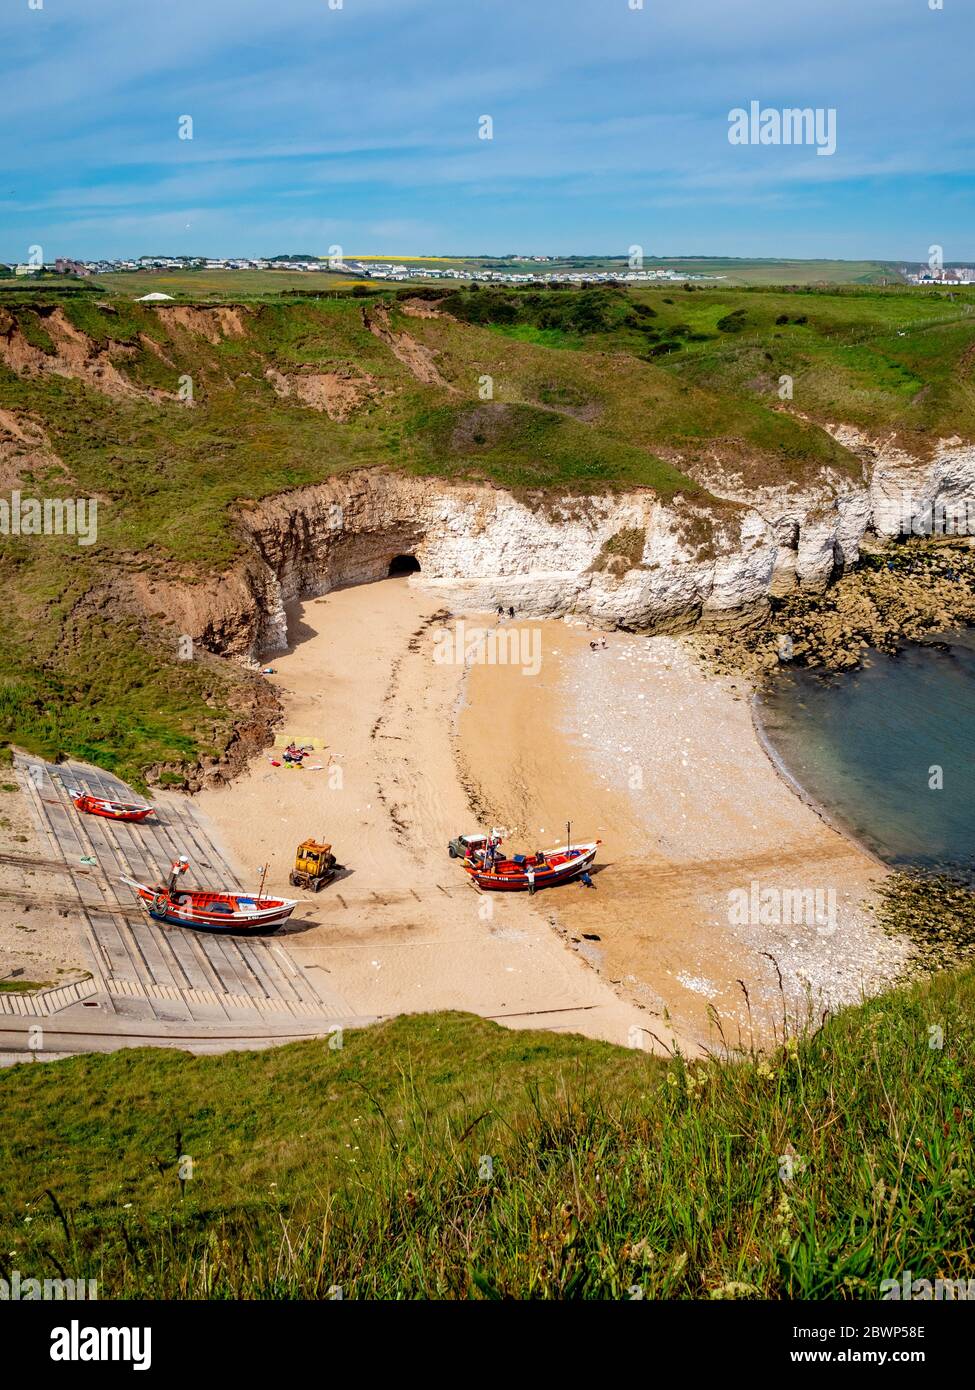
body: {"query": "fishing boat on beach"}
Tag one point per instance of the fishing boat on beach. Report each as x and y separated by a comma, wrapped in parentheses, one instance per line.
(212, 909)
(489, 869)
(113, 810)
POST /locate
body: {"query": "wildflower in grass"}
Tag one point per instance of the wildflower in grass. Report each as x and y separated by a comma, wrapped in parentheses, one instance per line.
(640, 1253)
(791, 1164)
(736, 1289)
(765, 1071)
(782, 1219)
(696, 1081)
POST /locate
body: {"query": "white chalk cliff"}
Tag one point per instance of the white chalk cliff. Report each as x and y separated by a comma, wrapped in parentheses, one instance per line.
(623, 559)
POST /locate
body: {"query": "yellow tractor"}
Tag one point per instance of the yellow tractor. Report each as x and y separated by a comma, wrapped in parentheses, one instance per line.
(314, 865)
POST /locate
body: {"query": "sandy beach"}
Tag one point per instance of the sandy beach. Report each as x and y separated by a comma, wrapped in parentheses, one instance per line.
(663, 763)
(402, 929)
(414, 741)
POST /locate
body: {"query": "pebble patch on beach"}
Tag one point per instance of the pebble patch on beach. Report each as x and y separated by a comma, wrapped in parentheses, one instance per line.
(645, 717)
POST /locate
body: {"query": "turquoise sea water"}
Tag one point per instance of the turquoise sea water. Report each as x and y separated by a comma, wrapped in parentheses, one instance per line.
(872, 745)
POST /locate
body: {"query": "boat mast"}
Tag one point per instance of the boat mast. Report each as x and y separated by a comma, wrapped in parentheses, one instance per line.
(568, 835)
(260, 891)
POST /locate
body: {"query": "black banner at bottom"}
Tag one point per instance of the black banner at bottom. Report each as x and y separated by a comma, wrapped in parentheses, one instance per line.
(170, 1339)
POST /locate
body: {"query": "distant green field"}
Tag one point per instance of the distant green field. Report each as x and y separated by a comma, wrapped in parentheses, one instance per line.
(782, 272)
(221, 284)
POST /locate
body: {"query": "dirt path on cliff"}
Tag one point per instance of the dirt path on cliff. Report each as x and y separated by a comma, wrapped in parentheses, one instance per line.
(402, 930)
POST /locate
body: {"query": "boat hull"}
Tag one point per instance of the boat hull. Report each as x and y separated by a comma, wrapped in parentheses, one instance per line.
(509, 877)
(112, 810)
(230, 914)
(233, 927)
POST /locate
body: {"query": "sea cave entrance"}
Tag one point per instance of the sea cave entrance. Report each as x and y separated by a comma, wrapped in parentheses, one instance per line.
(403, 564)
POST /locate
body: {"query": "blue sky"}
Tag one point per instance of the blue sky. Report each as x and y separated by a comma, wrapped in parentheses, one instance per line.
(357, 126)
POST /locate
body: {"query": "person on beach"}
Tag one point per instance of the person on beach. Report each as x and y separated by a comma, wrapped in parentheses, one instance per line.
(511, 612)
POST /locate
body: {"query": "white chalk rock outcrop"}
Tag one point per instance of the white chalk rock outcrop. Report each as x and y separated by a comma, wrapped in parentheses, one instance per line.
(622, 559)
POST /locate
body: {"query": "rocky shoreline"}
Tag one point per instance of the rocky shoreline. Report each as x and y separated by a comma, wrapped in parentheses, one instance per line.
(935, 913)
(900, 592)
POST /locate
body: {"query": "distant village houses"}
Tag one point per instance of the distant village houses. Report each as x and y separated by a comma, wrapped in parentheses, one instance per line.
(389, 271)
(957, 275)
(392, 271)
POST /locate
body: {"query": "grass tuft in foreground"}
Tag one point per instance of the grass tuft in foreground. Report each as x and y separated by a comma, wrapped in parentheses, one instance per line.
(442, 1156)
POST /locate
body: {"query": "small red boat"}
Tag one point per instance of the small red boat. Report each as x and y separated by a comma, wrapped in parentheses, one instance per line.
(114, 810)
(528, 872)
(211, 909)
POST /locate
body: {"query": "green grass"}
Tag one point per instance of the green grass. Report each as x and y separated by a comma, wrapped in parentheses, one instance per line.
(112, 694)
(843, 1158)
(194, 285)
(524, 447)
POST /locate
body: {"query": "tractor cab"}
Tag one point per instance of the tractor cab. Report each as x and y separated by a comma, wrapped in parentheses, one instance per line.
(314, 865)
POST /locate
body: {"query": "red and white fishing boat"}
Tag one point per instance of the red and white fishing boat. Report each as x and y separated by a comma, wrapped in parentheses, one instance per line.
(211, 909)
(114, 810)
(528, 872)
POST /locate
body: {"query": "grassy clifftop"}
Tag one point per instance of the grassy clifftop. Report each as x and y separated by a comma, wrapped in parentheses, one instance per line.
(442, 1156)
